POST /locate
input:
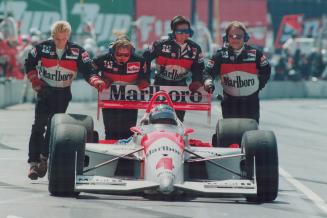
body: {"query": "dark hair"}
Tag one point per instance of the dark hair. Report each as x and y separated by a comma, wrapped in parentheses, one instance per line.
(179, 20)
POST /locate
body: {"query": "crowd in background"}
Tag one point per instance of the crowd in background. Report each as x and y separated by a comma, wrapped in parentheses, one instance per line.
(287, 64)
(300, 65)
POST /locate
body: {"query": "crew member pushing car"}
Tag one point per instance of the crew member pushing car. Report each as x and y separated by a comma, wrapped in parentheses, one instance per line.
(121, 66)
(176, 58)
(51, 67)
(243, 72)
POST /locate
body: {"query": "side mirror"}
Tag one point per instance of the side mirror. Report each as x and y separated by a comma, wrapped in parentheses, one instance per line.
(188, 131)
(136, 130)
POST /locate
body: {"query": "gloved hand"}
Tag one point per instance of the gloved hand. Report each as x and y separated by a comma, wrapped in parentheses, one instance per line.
(96, 82)
(209, 86)
(194, 86)
(143, 83)
(37, 84)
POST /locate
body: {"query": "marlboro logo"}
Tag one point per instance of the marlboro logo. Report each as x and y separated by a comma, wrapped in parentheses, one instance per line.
(133, 67)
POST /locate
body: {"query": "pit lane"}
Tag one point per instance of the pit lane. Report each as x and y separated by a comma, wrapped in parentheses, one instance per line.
(300, 127)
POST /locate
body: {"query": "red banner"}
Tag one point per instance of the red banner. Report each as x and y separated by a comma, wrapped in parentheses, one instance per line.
(153, 17)
(253, 13)
(290, 25)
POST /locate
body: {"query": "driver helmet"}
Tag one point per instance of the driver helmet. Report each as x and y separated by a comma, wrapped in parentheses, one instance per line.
(163, 114)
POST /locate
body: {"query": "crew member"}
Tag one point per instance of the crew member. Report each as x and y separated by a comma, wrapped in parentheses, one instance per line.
(243, 71)
(176, 58)
(121, 66)
(51, 67)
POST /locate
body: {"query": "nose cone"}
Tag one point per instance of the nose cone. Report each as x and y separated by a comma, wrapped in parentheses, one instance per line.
(166, 184)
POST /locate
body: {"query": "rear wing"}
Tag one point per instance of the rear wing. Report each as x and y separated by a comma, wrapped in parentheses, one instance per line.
(131, 97)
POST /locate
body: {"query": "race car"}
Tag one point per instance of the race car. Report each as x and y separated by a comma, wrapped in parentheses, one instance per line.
(160, 159)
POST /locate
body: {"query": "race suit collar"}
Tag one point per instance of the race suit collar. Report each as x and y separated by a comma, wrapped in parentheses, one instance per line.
(237, 52)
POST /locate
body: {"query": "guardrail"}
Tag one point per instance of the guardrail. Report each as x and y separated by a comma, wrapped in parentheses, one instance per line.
(13, 91)
(10, 92)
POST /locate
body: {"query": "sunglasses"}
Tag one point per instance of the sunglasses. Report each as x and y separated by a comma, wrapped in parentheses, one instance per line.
(182, 31)
(235, 36)
(125, 55)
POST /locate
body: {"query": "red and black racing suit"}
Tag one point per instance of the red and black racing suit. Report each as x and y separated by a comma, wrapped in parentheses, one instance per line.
(242, 77)
(174, 63)
(117, 122)
(57, 75)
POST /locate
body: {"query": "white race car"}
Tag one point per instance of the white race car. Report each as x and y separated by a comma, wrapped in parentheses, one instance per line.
(159, 159)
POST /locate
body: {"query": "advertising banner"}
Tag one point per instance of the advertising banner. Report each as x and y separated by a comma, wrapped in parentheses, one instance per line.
(105, 16)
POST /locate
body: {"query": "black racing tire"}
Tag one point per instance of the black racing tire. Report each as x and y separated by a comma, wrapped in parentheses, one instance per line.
(230, 131)
(261, 145)
(78, 119)
(66, 140)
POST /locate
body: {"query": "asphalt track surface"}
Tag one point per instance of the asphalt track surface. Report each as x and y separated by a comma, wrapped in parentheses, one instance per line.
(300, 127)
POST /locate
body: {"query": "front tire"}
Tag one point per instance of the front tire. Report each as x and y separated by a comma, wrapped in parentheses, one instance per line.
(261, 146)
(66, 140)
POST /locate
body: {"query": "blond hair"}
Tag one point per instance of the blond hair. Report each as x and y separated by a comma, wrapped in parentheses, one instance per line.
(235, 24)
(122, 42)
(60, 26)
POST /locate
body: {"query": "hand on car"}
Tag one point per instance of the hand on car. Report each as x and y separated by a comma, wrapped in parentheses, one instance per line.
(209, 86)
(98, 83)
(143, 83)
(194, 86)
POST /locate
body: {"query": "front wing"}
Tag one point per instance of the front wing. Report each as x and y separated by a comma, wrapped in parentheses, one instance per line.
(242, 187)
(101, 184)
(109, 185)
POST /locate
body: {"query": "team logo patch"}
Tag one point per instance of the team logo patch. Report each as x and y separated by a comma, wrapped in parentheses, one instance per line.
(34, 52)
(210, 64)
(252, 53)
(133, 67)
(194, 50)
(46, 49)
(263, 61)
(166, 48)
(108, 64)
(85, 57)
(201, 58)
(74, 51)
(225, 54)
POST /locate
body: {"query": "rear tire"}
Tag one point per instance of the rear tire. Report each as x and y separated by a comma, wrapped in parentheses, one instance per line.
(262, 146)
(66, 140)
(77, 119)
(230, 131)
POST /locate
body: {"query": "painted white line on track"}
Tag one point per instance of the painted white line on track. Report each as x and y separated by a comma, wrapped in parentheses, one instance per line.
(8, 158)
(13, 216)
(316, 199)
(21, 198)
